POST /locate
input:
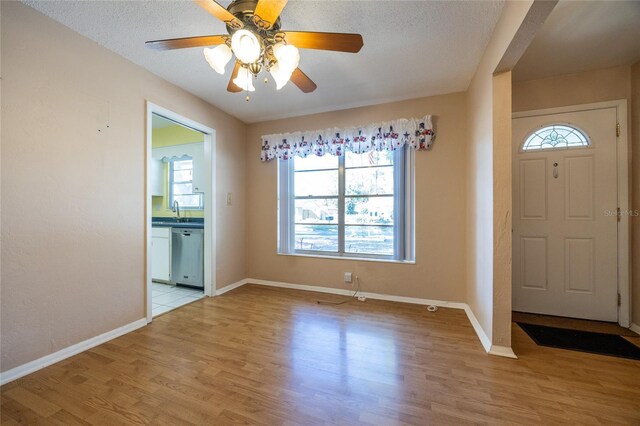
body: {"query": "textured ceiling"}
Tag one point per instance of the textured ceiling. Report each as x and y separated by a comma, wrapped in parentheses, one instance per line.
(581, 36)
(411, 49)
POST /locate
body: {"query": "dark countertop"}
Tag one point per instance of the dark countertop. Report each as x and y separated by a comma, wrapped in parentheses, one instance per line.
(172, 222)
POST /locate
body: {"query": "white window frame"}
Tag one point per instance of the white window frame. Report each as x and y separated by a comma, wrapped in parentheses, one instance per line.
(404, 212)
(172, 182)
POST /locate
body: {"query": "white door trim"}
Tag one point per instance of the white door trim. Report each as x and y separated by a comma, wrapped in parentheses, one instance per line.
(209, 200)
(624, 310)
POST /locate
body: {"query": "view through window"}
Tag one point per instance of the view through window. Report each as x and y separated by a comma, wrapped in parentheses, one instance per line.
(345, 205)
(181, 185)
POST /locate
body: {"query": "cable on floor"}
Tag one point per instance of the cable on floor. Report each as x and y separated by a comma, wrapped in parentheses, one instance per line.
(349, 299)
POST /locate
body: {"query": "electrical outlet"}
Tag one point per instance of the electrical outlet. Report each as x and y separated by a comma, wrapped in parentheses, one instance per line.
(228, 198)
(347, 277)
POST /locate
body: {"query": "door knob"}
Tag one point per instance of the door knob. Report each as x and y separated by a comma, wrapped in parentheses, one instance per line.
(555, 170)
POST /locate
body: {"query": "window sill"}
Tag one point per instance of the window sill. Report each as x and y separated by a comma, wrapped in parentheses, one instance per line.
(359, 259)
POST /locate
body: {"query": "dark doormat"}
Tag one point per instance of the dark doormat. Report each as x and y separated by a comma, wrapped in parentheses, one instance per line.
(583, 341)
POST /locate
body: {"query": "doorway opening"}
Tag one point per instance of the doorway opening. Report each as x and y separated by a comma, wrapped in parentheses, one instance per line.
(179, 218)
(570, 242)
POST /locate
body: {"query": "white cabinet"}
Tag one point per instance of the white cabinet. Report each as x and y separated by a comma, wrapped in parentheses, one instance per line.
(199, 172)
(156, 176)
(161, 254)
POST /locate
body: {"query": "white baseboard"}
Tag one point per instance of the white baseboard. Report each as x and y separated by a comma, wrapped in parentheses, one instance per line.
(30, 367)
(635, 328)
(484, 339)
(230, 287)
(368, 295)
(503, 351)
(47, 360)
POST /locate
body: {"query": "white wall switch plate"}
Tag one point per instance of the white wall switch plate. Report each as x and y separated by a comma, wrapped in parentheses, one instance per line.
(347, 277)
(228, 198)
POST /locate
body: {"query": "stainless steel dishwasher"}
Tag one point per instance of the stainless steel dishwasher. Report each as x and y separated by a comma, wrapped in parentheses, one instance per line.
(187, 257)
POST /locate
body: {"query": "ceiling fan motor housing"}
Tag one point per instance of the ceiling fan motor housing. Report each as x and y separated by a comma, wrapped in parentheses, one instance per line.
(243, 10)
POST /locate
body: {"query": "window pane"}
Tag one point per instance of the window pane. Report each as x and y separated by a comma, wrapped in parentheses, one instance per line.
(555, 136)
(323, 210)
(316, 237)
(369, 239)
(368, 211)
(314, 162)
(182, 188)
(192, 201)
(375, 180)
(316, 183)
(182, 164)
(182, 175)
(372, 158)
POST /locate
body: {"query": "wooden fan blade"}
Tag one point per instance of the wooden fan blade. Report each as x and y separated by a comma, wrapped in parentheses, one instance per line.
(220, 12)
(303, 82)
(182, 43)
(269, 10)
(231, 87)
(339, 42)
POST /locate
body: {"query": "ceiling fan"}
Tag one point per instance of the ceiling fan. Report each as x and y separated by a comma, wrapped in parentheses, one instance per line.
(255, 38)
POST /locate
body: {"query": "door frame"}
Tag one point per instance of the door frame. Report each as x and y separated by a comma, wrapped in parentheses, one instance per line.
(622, 148)
(209, 199)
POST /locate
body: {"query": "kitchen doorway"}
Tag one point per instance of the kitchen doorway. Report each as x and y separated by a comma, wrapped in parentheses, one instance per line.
(570, 239)
(179, 211)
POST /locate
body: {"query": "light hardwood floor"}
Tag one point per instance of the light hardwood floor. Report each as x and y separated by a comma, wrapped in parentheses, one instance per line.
(269, 356)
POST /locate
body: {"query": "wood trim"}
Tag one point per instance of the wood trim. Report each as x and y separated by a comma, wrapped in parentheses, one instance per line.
(230, 287)
(47, 360)
(484, 339)
(503, 351)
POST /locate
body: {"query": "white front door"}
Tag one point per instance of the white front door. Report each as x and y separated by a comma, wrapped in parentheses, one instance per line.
(564, 215)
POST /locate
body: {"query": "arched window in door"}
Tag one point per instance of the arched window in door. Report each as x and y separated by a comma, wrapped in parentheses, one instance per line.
(555, 136)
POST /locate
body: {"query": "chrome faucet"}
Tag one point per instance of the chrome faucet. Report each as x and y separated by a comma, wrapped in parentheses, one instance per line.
(176, 209)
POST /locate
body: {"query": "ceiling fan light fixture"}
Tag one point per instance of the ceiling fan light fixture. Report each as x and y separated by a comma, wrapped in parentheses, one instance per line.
(287, 56)
(218, 58)
(246, 46)
(280, 76)
(244, 80)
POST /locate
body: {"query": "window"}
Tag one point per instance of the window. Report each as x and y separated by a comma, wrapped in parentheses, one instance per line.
(181, 185)
(556, 136)
(353, 206)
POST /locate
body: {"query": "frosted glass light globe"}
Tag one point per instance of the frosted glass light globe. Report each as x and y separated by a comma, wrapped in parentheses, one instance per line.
(246, 46)
(287, 56)
(244, 80)
(218, 57)
(280, 76)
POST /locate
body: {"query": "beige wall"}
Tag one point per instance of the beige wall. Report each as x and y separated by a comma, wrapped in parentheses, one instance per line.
(601, 85)
(502, 209)
(73, 155)
(607, 84)
(439, 271)
(635, 222)
(490, 299)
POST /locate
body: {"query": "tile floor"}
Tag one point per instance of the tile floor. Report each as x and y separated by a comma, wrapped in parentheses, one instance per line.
(166, 297)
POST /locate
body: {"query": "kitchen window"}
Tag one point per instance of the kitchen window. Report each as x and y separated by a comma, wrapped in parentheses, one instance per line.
(181, 185)
(351, 206)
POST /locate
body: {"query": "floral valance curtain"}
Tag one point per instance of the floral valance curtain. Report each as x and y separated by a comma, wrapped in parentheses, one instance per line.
(417, 133)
